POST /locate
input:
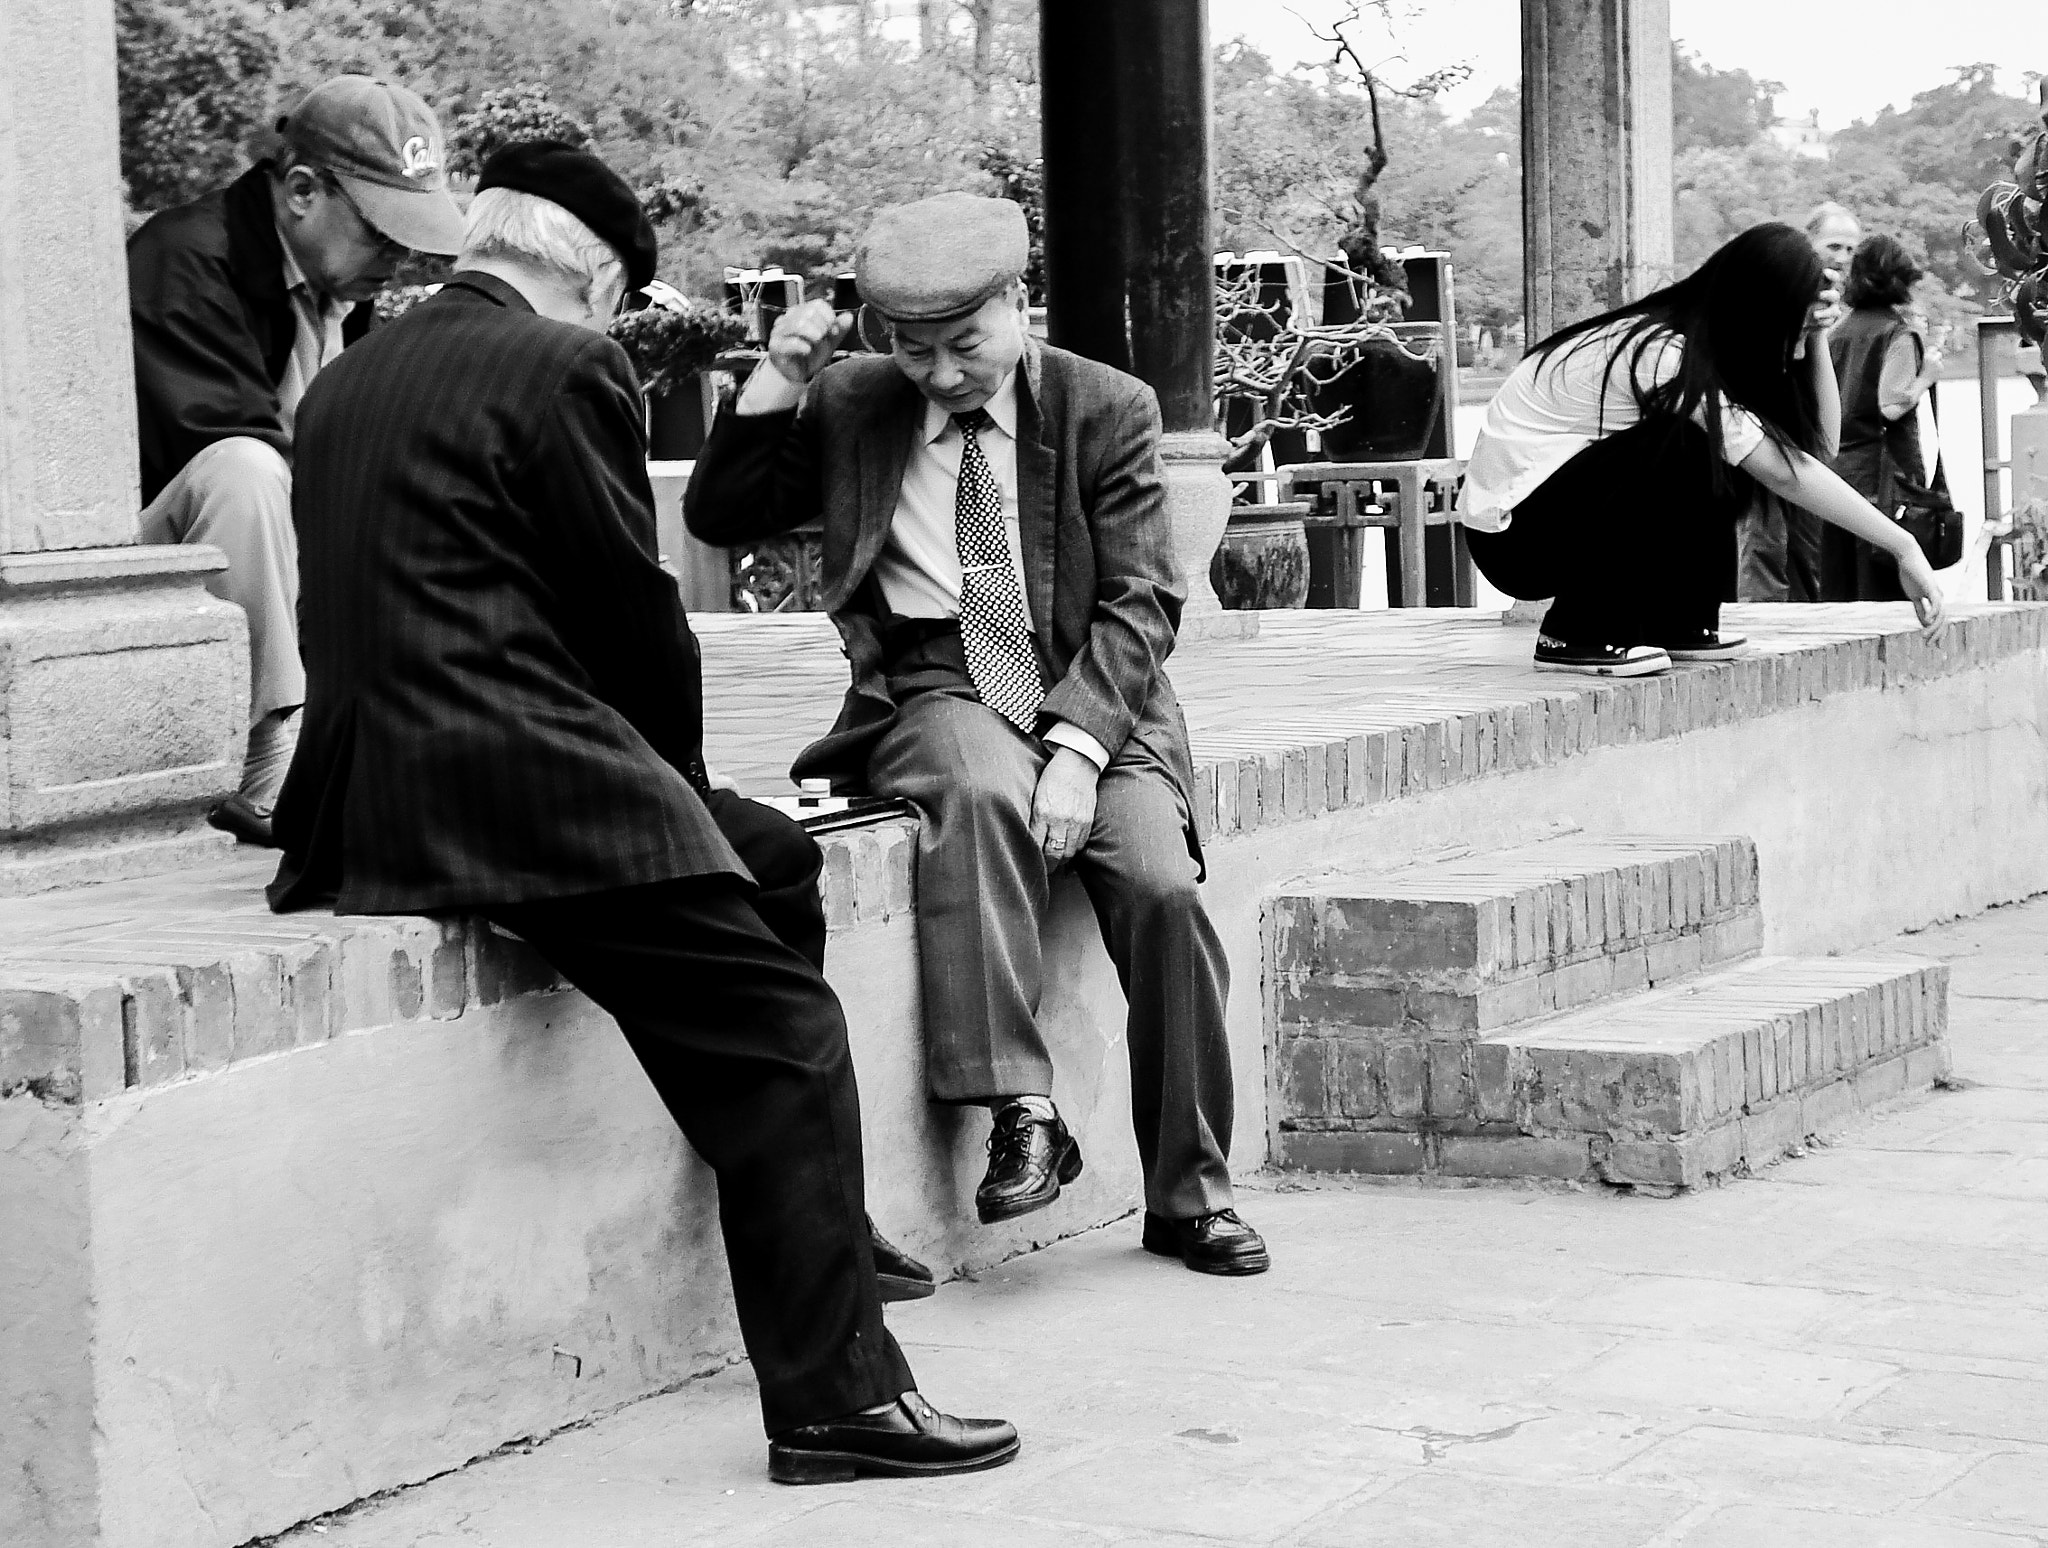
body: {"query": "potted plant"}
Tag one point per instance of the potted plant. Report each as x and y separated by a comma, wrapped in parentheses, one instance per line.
(670, 344)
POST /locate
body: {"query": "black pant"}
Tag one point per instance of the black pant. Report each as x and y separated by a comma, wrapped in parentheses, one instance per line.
(1780, 553)
(719, 990)
(1629, 537)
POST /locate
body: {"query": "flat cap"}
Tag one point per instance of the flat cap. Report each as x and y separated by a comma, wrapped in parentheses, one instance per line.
(587, 189)
(940, 258)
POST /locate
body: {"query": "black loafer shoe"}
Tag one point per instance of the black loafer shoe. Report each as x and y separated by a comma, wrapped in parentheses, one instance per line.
(1704, 645)
(1028, 1159)
(910, 1440)
(901, 1277)
(235, 815)
(1215, 1243)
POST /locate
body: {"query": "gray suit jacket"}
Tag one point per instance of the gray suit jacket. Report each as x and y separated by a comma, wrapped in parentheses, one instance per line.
(1091, 505)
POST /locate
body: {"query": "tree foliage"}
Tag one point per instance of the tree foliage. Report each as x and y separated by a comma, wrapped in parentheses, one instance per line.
(195, 80)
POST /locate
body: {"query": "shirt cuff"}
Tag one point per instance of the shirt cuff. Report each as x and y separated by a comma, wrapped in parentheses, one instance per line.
(1064, 733)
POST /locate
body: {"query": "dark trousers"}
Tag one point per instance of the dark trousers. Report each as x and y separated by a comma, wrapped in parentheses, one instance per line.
(1780, 548)
(719, 990)
(984, 887)
(1629, 538)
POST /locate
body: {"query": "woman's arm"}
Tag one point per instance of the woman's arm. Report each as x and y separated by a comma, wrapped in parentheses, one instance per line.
(1812, 485)
(1827, 392)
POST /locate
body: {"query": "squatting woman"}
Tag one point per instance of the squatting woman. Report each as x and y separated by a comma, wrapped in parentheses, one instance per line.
(1617, 457)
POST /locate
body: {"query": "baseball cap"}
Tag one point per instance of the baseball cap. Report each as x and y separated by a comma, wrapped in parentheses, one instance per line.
(383, 145)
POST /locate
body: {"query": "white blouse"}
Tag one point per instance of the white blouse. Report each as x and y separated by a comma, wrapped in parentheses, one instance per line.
(1549, 411)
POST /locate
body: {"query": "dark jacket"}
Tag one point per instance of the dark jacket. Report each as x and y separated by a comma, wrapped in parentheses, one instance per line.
(213, 326)
(503, 699)
(1873, 446)
(1098, 557)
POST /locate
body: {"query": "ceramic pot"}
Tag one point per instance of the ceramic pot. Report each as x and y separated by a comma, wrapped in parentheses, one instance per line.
(1263, 562)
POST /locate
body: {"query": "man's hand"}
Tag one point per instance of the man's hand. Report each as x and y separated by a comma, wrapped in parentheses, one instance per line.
(804, 338)
(1063, 807)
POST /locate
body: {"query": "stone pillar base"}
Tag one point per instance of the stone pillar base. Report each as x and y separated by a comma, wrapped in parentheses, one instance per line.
(1198, 501)
(124, 701)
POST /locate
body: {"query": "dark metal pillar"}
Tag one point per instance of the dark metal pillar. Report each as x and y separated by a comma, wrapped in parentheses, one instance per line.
(1129, 246)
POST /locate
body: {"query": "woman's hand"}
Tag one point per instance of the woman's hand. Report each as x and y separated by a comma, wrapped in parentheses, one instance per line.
(1827, 310)
(1916, 579)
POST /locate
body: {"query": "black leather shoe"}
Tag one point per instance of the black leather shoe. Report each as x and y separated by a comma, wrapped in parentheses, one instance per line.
(910, 1440)
(1215, 1243)
(901, 1276)
(1028, 1159)
(235, 815)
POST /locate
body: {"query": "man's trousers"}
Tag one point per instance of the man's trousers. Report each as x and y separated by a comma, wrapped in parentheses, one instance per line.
(1780, 547)
(983, 889)
(237, 495)
(718, 989)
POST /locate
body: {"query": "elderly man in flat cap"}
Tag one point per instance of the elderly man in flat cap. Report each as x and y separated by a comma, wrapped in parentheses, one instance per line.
(504, 716)
(238, 300)
(998, 560)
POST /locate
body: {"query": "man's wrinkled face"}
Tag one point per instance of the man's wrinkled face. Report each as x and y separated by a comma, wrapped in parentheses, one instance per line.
(1835, 242)
(959, 365)
(342, 254)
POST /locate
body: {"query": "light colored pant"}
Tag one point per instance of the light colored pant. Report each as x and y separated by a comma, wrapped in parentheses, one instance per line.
(237, 496)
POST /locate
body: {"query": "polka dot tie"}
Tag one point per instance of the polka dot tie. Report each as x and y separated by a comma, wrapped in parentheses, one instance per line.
(994, 632)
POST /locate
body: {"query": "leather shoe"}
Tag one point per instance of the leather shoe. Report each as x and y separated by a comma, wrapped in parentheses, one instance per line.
(1028, 1159)
(910, 1439)
(1215, 1243)
(900, 1276)
(235, 815)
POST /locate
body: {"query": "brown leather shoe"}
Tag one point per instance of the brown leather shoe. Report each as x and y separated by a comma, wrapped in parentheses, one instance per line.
(912, 1439)
(900, 1276)
(1028, 1159)
(1215, 1243)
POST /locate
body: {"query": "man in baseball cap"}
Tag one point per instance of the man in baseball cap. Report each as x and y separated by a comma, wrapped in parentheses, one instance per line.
(238, 299)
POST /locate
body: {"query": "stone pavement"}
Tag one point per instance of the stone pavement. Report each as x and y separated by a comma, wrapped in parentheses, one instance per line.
(1849, 1350)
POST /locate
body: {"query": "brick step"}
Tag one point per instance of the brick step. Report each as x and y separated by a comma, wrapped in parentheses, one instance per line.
(1663, 1089)
(1454, 948)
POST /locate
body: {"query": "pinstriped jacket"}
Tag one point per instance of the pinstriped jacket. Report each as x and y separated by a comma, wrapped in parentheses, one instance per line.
(503, 696)
(1098, 555)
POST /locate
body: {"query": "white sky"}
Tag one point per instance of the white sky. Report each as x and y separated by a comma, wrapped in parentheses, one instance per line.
(1848, 58)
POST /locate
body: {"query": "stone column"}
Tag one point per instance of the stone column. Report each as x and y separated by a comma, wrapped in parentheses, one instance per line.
(1596, 156)
(123, 684)
(1129, 241)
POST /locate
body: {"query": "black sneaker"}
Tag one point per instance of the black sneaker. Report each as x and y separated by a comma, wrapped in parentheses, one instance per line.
(1704, 645)
(1600, 660)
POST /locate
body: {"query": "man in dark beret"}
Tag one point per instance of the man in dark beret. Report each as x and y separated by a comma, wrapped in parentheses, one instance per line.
(504, 717)
(999, 561)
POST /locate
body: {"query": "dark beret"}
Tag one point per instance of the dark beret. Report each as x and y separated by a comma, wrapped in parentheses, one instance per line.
(587, 189)
(940, 258)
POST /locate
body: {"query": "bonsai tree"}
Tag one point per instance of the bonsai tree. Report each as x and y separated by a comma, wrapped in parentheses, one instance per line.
(2012, 245)
(675, 338)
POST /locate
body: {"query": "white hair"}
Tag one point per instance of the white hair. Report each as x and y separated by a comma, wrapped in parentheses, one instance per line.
(524, 228)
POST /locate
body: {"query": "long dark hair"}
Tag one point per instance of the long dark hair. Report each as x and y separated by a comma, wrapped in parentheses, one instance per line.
(1740, 313)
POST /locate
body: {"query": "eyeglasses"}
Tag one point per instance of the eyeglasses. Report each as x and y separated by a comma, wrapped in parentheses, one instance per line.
(387, 247)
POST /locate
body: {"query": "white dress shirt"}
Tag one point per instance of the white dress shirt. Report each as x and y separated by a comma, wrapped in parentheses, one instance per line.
(1549, 411)
(316, 341)
(919, 566)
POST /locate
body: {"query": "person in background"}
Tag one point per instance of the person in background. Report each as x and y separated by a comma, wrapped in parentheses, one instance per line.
(1615, 459)
(238, 300)
(1780, 544)
(505, 718)
(1885, 365)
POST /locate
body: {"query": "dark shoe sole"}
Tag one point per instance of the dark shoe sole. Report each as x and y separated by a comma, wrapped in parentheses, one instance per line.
(788, 1466)
(901, 1287)
(1246, 1263)
(1068, 1169)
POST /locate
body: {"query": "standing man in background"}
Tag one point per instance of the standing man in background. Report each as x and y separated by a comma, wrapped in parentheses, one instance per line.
(1779, 543)
(238, 299)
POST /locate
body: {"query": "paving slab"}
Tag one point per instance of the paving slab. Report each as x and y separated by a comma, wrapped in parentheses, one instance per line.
(1844, 1351)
